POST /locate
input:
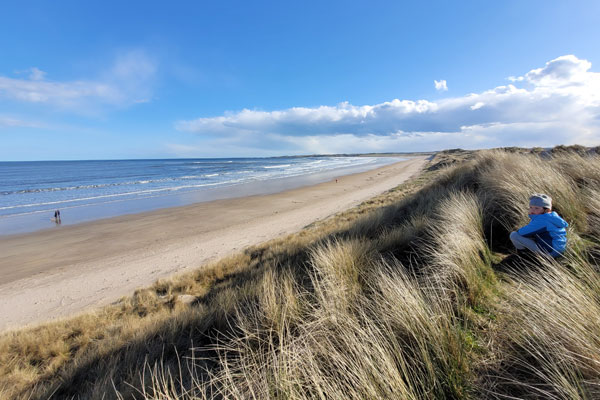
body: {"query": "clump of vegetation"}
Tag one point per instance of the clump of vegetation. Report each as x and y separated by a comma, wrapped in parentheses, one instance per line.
(415, 294)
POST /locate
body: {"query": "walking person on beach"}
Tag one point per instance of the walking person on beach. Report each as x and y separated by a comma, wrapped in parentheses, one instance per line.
(545, 233)
(57, 216)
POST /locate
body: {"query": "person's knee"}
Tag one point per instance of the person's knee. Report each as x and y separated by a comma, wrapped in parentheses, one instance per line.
(517, 240)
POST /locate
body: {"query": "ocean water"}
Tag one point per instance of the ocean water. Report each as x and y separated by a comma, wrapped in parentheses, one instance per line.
(30, 192)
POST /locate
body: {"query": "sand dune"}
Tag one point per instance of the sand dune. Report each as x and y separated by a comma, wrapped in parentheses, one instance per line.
(57, 273)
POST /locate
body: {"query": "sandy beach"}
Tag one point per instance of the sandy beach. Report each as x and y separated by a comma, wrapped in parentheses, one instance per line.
(60, 272)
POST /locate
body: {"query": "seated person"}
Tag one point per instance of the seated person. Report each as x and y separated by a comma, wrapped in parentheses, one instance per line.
(546, 233)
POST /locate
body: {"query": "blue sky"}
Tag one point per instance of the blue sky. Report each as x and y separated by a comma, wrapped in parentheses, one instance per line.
(222, 79)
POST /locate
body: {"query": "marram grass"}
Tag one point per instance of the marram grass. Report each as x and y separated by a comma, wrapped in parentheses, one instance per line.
(415, 294)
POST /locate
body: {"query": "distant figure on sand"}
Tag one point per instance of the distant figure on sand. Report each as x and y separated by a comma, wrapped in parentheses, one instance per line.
(545, 233)
(57, 217)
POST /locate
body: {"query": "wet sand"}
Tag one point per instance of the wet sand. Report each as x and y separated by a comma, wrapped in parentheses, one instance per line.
(59, 272)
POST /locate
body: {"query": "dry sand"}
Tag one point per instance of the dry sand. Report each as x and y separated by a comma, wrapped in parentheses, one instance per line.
(56, 273)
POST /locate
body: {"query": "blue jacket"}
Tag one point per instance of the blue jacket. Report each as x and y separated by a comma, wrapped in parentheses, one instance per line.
(548, 231)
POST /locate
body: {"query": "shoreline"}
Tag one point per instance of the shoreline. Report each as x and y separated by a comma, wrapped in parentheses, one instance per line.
(29, 222)
(57, 273)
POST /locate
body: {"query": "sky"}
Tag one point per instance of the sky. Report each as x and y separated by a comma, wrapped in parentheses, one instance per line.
(149, 79)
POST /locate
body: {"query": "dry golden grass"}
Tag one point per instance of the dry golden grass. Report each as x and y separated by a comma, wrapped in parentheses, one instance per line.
(411, 295)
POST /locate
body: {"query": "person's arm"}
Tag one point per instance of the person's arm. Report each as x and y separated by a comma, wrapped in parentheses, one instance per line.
(535, 227)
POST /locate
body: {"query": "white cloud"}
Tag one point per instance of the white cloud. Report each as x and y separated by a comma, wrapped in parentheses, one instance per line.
(36, 74)
(299, 121)
(441, 85)
(556, 104)
(565, 70)
(127, 82)
(10, 122)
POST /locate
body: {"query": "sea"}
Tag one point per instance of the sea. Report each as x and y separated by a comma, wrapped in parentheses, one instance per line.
(31, 192)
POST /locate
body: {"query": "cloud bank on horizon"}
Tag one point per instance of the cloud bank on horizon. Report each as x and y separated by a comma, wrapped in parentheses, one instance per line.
(558, 103)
